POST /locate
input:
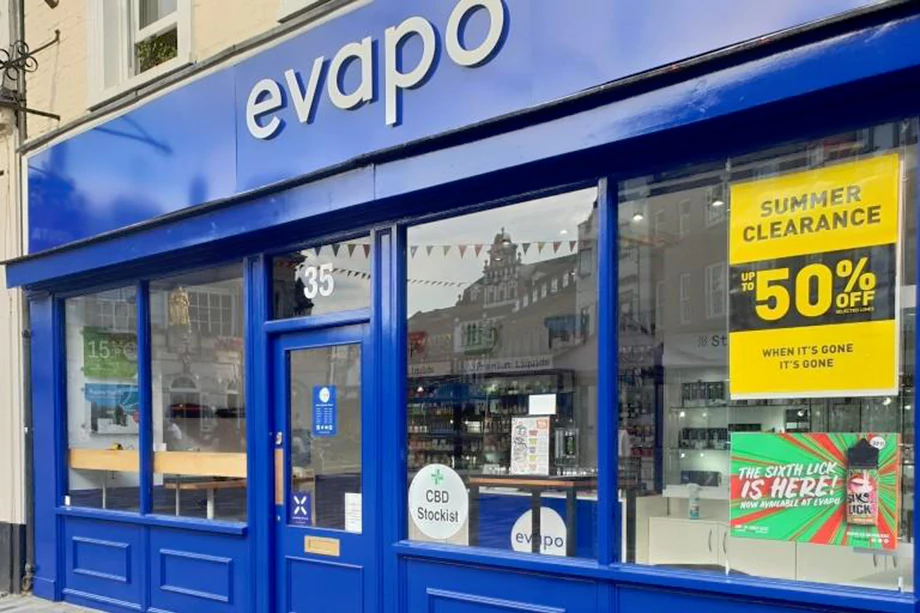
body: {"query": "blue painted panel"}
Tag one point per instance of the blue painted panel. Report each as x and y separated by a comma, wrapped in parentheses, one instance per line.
(101, 559)
(318, 586)
(192, 146)
(104, 559)
(195, 574)
(199, 572)
(45, 438)
(448, 588)
(442, 601)
(649, 601)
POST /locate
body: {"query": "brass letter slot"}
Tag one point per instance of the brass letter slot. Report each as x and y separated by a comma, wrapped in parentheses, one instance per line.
(322, 546)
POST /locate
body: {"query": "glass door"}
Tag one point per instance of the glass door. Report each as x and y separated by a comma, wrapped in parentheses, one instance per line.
(325, 549)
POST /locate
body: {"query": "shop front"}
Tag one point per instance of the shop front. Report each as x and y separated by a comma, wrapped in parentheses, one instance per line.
(485, 305)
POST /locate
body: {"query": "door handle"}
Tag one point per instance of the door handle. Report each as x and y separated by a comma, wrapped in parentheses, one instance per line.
(894, 560)
(724, 544)
(710, 540)
(875, 560)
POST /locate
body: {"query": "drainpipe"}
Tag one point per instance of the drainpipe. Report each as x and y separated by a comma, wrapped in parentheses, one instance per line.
(28, 467)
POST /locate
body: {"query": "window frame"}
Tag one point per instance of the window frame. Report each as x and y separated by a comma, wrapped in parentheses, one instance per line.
(125, 39)
(711, 312)
(145, 514)
(685, 298)
(685, 215)
(289, 10)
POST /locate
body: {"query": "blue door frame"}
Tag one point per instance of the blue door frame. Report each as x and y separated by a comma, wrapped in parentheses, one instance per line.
(774, 98)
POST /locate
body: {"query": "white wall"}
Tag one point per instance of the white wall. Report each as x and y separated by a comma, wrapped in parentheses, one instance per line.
(11, 374)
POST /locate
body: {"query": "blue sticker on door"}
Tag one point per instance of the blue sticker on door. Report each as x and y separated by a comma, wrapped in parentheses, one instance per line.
(325, 411)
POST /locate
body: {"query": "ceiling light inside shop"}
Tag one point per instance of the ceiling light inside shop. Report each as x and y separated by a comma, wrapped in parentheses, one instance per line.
(887, 401)
(717, 203)
(638, 216)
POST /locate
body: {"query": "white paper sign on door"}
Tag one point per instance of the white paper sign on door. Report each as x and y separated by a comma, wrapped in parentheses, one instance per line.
(530, 446)
(352, 512)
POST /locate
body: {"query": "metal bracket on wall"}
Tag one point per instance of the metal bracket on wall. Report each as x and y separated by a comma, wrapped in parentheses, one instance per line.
(15, 62)
(52, 3)
(20, 58)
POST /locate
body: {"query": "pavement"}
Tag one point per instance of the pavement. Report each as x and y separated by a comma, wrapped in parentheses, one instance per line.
(27, 604)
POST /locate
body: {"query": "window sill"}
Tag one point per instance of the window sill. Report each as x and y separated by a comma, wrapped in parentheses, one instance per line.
(702, 583)
(107, 96)
(309, 10)
(158, 521)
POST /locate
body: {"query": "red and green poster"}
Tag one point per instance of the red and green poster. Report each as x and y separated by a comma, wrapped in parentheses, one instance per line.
(830, 489)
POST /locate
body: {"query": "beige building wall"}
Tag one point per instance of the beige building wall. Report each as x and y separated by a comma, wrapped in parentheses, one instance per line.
(61, 83)
(11, 373)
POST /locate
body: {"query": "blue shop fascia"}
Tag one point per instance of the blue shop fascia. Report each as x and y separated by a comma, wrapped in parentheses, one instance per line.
(432, 307)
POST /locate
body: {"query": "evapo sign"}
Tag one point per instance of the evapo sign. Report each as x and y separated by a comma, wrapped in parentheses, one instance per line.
(552, 533)
(814, 282)
(438, 502)
(266, 96)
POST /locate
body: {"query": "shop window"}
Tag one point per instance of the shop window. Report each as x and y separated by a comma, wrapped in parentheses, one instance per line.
(133, 41)
(199, 413)
(327, 467)
(502, 424)
(775, 437)
(102, 400)
(321, 280)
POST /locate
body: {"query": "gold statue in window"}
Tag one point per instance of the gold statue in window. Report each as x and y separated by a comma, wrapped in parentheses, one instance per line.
(178, 308)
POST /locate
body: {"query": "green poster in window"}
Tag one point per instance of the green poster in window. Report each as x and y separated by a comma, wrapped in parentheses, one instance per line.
(109, 355)
(824, 488)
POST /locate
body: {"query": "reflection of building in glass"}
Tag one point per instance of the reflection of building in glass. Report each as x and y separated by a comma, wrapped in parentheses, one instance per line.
(519, 329)
(321, 280)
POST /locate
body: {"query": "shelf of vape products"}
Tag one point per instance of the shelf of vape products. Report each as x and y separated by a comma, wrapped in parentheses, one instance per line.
(640, 397)
(468, 425)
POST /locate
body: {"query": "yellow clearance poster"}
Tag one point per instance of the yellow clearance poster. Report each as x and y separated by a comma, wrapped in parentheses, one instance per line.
(814, 282)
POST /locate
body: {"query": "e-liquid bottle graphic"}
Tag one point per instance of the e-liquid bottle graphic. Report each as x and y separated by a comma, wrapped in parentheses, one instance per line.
(862, 484)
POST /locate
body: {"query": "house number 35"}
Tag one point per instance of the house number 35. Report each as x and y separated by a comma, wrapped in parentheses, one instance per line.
(318, 280)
